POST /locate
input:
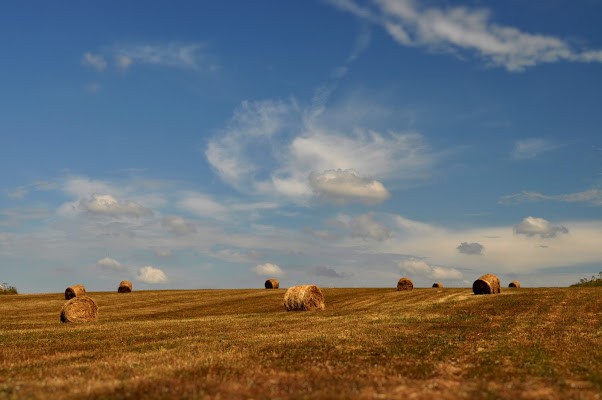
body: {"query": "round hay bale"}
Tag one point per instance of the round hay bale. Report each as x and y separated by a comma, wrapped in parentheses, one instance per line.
(405, 284)
(437, 285)
(272, 284)
(74, 291)
(304, 298)
(514, 284)
(79, 309)
(487, 284)
(125, 287)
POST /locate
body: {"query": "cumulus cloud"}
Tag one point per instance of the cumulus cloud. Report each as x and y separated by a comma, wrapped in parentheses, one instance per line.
(94, 60)
(470, 248)
(592, 196)
(531, 148)
(460, 28)
(109, 264)
(268, 269)
(419, 268)
(108, 205)
(151, 275)
(365, 227)
(538, 226)
(329, 272)
(341, 187)
(178, 225)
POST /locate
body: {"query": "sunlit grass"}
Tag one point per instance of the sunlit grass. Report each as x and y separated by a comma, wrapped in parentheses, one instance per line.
(368, 343)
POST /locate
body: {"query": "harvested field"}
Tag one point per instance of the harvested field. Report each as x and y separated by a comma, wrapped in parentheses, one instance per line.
(367, 344)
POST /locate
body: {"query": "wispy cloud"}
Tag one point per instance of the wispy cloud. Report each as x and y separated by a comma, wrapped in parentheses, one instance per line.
(531, 148)
(95, 61)
(592, 197)
(455, 29)
(301, 159)
(191, 56)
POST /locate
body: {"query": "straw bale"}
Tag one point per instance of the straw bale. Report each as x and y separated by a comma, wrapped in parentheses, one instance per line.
(405, 284)
(437, 285)
(272, 284)
(487, 284)
(514, 284)
(74, 291)
(79, 309)
(125, 287)
(304, 298)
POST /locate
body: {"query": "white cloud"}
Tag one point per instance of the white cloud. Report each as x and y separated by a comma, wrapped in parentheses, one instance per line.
(109, 206)
(341, 187)
(251, 127)
(178, 225)
(94, 60)
(173, 55)
(531, 148)
(538, 226)
(109, 264)
(460, 28)
(272, 148)
(419, 268)
(151, 275)
(365, 227)
(592, 196)
(267, 269)
(470, 248)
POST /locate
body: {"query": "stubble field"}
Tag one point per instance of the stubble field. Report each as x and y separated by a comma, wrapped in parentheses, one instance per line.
(366, 344)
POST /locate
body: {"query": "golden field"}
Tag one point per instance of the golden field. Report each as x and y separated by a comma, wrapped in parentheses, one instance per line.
(367, 344)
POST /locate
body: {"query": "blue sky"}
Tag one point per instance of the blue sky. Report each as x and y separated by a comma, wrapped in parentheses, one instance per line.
(337, 142)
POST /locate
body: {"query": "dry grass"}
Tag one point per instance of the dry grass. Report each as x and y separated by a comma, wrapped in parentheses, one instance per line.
(367, 344)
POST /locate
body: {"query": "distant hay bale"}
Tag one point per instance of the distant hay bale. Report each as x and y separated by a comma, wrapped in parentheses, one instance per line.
(437, 285)
(79, 309)
(405, 284)
(1, 288)
(514, 284)
(272, 284)
(487, 284)
(125, 287)
(74, 291)
(304, 298)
